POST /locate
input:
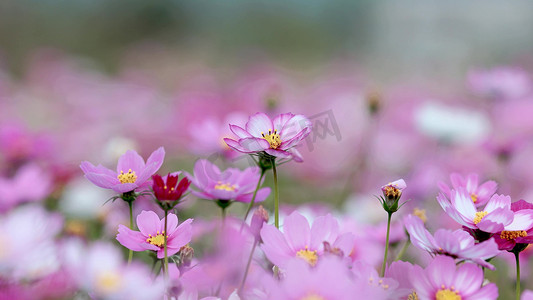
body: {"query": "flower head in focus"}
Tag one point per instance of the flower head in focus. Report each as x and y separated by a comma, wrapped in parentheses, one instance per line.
(152, 234)
(479, 193)
(169, 190)
(519, 233)
(132, 173)
(276, 137)
(392, 193)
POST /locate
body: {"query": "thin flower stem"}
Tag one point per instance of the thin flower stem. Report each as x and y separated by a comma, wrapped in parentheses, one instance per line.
(276, 193)
(517, 257)
(130, 255)
(386, 247)
(404, 248)
(248, 266)
(165, 237)
(255, 194)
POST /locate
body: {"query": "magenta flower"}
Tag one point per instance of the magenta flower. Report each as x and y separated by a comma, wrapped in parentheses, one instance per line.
(152, 235)
(276, 137)
(30, 184)
(132, 173)
(457, 244)
(300, 240)
(493, 218)
(443, 280)
(520, 231)
(232, 184)
(479, 194)
(167, 189)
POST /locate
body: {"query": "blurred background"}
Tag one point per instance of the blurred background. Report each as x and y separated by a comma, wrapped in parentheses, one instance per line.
(405, 89)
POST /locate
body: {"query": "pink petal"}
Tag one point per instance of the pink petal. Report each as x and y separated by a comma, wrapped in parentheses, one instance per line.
(496, 220)
(468, 279)
(274, 245)
(130, 239)
(523, 220)
(488, 292)
(472, 182)
(149, 223)
(278, 153)
(262, 194)
(239, 131)
(153, 164)
(87, 167)
(294, 126)
(102, 180)
(124, 187)
(281, 120)
(498, 201)
(259, 124)
(253, 144)
(441, 271)
(181, 236)
(324, 228)
(130, 160)
(296, 229)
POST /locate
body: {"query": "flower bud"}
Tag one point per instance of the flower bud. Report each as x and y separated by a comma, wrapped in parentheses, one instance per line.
(392, 193)
(186, 255)
(259, 217)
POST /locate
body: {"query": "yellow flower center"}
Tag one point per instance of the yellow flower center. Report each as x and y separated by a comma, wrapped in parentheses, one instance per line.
(473, 197)
(272, 138)
(511, 235)
(309, 256)
(447, 294)
(479, 216)
(129, 177)
(420, 213)
(108, 282)
(313, 296)
(225, 187)
(412, 296)
(157, 240)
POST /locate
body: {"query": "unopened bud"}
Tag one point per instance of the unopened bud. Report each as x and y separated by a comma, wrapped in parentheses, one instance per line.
(259, 217)
(186, 255)
(392, 193)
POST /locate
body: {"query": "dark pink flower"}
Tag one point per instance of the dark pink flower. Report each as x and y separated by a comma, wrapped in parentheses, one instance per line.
(520, 231)
(152, 234)
(131, 174)
(168, 189)
(276, 137)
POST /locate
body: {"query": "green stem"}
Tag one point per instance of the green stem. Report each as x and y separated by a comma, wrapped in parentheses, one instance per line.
(247, 266)
(130, 204)
(517, 257)
(165, 237)
(386, 247)
(255, 194)
(276, 193)
(404, 248)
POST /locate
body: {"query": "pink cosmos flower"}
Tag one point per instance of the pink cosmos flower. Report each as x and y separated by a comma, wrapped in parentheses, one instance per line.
(520, 231)
(232, 184)
(500, 83)
(443, 280)
(300, 240)
(457, 244)
(328, 280)
(132, 173)
(372, 286)
(30, 184)
(277, 137)
(479, 194)
(493, 218)
(151, 234)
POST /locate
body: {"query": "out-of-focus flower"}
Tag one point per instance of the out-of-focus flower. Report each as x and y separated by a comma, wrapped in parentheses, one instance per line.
(328, 280)
(100, 271)
(300, 240)
(520, 231)
(168, 189)
(152, 234)
(452, 124)
(457, 244)
(527, 295)
(500, 83)
(232, 184)
(493, 218)
(276, 137)
(28, 250)
(132, 173)
(259, 218)
(372, 286)
(443, 280)
(479, 194)
(30, 184)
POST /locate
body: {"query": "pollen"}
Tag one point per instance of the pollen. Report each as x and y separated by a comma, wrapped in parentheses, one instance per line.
(447, 294)
(108, 282)
(413, 296)
(473, 197)
(225, 186)
(479, 216)
(129, 177)
(272, 138)
(309, 256)
(157, 240)
(313, 296)
(421, 214)
(511, 235)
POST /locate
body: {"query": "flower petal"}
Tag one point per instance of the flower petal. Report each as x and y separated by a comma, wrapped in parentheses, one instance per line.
(130, 160)
(149, 223)
(130, 239)
(153, 164)
(297, 231)
(239, 131)
(259, 124)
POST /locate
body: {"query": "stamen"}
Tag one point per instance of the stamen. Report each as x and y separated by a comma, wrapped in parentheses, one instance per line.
(473, 197)
(479, 216)
(225, 187)
(446, 294)
(511, 235)
(310, 256)
(158, 240)
(129, 177)
(272, 138)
